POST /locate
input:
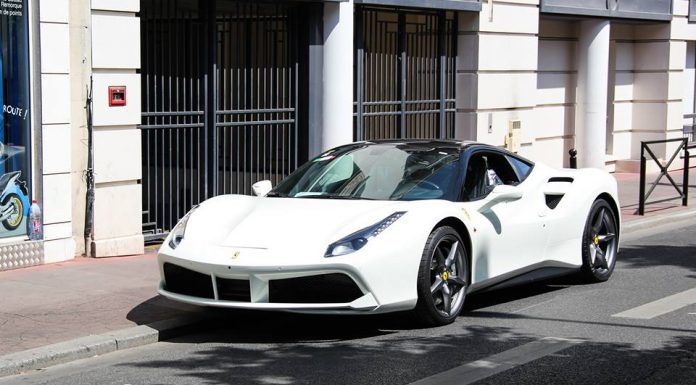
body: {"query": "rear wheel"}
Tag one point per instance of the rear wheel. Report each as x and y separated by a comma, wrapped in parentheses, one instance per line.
(442, 278)
(599, 243)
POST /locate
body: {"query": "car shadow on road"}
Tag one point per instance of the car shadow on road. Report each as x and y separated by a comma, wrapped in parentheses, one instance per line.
(220, 358)
(254, 325)
(159, 308)
(659, 255)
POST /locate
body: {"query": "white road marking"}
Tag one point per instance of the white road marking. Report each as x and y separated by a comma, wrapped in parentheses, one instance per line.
(532, 306)
(497, 363)
(661, 306)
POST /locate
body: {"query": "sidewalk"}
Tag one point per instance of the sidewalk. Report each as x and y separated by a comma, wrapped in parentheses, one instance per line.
(629, 193)
(52, 303)
(49, 304)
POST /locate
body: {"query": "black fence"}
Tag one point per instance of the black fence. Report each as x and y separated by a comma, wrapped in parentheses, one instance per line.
(405, 67)
(220, 99)
(682, 149)
(690, 129)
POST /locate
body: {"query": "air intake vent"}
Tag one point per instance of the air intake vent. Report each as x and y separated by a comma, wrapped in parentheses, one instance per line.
(325, 288)
(187, 282)
(233, 289)
(562, 179)
(553, 200)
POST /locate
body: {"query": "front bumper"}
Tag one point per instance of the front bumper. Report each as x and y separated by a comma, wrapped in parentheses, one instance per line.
(332, 288)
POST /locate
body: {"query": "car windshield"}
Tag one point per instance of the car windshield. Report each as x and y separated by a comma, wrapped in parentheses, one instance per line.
(393, 171)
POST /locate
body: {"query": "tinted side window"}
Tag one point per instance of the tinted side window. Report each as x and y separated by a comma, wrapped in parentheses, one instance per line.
(485, 171)
(523, 168)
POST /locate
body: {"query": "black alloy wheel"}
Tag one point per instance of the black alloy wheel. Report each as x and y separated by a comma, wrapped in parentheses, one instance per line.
(599, 243)
(443, 278)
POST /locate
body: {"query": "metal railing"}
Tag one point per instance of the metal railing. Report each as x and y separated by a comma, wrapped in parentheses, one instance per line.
(220, 102)
(689, 130)
(664, 172)
(405, 72)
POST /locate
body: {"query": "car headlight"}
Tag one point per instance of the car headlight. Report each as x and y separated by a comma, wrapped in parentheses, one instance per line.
(358, 239)
(178, 232)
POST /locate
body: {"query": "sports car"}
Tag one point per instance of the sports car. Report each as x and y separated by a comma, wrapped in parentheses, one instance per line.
(384, 226)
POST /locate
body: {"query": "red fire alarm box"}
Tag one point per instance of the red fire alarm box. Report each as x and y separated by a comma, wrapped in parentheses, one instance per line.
(117, 96)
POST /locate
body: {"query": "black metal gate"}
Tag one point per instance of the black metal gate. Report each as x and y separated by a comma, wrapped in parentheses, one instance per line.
(404, 73)
(220, 99)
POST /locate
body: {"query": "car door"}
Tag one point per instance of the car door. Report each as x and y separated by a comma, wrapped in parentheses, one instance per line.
(510, 234)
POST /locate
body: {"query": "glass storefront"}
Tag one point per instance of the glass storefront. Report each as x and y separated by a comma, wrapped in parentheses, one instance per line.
(15, 124)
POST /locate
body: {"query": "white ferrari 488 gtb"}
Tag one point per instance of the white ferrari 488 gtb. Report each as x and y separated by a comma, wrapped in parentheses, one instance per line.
(376, 227)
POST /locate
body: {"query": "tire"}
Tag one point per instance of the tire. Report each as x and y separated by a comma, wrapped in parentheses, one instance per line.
(441, 295)
(13, 222)
(599, 243)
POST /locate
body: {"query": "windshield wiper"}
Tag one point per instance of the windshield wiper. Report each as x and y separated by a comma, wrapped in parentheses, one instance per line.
(332, 196)
(275, 194)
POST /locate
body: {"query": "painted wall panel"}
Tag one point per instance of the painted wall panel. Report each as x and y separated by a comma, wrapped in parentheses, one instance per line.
(121, 201)
(117, 155)
(55, 48)
(54, 11)
(509, 18)
(507, 52)
(55, 99)
(506, 90)
(117, 115)
(115, 50)
(553, 121)
(117, 5)
(556, 88)
(557, 55)
(57, 198)
(56, 148)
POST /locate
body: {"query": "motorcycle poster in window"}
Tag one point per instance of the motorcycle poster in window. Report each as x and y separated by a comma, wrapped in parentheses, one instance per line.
(15, 122)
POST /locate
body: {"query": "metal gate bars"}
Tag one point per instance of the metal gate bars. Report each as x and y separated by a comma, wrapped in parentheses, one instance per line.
(405, 66)
(219, 88)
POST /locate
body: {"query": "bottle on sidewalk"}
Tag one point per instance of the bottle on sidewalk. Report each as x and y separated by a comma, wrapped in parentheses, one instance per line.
(35, 228)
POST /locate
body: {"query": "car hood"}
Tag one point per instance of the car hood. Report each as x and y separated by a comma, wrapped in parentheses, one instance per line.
(284, 223)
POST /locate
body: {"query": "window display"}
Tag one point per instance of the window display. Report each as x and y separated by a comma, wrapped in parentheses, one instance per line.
(15, 124)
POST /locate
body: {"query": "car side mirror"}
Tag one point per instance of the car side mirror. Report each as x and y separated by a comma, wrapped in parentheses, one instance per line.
(261, 188)
(505, 192)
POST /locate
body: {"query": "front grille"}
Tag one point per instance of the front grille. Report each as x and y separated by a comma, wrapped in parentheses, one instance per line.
(187, 282)
(233, 289)
(325, 288)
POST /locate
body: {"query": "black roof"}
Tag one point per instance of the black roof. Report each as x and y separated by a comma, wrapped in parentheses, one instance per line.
(461, 144)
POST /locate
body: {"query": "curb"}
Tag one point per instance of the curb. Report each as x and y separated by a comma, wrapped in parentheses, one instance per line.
(657, 220)
(94, 345)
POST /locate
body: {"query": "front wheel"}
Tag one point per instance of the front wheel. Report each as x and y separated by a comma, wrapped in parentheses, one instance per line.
(599, 243)
(442, 278)
(15, 219)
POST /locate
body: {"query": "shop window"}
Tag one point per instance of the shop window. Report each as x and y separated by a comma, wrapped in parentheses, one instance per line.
(15, 122)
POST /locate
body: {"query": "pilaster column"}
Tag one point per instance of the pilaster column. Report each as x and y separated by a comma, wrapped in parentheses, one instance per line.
(593, 78)
(337, 88)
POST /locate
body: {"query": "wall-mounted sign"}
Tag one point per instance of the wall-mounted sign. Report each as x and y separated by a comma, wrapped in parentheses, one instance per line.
(15, 124)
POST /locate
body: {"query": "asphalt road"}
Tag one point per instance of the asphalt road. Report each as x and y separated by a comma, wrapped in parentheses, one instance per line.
(502, 337)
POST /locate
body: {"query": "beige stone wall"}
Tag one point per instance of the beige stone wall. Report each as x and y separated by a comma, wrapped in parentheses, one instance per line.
(117, 150)
(515, 63)
(556, 91)
(56, 124)
(496, 72)
(80, 70)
